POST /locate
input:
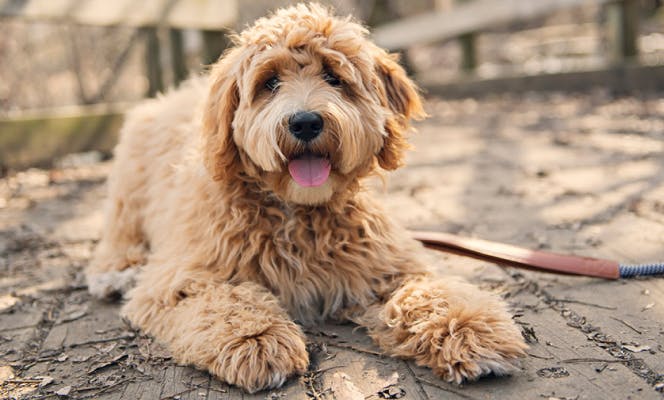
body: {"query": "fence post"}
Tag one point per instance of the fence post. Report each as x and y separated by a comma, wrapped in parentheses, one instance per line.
(468, 51)
(214, 44)
(153, 61)
(178, 61)
(623, 25)
(468, 43)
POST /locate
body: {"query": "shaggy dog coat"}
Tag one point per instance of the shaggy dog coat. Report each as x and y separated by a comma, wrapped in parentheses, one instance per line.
(237, 227)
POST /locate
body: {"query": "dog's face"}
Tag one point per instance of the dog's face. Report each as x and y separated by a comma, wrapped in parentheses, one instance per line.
(305, 105)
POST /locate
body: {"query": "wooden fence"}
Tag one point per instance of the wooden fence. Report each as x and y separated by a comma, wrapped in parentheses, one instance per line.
(38, 137)
(469, 19)
(211, 17)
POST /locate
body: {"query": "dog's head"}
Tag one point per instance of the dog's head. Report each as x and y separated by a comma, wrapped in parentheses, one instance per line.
(306, 105)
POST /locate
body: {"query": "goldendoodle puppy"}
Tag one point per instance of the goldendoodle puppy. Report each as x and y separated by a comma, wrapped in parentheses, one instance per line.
(240, 197)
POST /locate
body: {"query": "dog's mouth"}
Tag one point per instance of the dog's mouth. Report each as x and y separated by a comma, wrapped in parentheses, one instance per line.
(309, 169)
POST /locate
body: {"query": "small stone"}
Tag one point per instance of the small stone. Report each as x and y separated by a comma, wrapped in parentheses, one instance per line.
(553, 372)
(45, 381)
(7, 301)
(64, 392)
(636, 348)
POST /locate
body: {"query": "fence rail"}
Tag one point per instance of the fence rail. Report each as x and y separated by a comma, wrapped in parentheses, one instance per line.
(468, 19)
(181, 14)
(36, 138)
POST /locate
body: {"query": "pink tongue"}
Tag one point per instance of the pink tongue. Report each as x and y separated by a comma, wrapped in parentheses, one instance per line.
(309, 170)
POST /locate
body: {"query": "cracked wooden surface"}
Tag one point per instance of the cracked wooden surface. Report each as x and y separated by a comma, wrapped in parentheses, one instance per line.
(581, 173)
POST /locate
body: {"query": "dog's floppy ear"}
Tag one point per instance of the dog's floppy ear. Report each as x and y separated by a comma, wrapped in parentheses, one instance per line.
(221, 155)
(401, 97)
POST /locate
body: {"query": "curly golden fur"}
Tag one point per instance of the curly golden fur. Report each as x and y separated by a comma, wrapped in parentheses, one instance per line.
(230, 250)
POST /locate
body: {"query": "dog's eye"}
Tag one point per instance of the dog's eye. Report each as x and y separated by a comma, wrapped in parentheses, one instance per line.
(331, 79)
(273, 83)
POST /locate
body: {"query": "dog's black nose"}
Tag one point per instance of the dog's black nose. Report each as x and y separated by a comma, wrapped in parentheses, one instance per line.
(305, 125)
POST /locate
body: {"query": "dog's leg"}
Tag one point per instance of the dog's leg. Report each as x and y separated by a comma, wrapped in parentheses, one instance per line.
(122, 246)
(240, 333)
(454, 328)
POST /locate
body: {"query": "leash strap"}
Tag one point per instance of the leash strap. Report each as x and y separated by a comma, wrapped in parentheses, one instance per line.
(516, 256)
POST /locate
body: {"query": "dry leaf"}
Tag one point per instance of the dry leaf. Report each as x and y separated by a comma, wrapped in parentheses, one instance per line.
(344, 388)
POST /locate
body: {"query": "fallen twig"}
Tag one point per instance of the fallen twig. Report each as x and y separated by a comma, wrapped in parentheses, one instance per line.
(583, 303)
(354, 348)
(178, 394)
(443, 388)
(105, 389)
(106, 364)
(627, 325)
(310, 378)
(594, 360)
(540, 357)
(320, 371)
(111, 339)
(420, 388)
(193, 386)
(26, 380)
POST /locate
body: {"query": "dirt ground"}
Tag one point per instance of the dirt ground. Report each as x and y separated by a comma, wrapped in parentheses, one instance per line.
(582, 174)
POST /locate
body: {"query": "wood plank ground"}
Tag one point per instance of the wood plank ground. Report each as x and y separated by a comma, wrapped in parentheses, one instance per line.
(582, 173)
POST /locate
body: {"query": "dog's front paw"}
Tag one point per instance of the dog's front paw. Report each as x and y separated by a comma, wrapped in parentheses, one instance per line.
(262, 361)
(104, 285)
(458, 331)
(473, 346)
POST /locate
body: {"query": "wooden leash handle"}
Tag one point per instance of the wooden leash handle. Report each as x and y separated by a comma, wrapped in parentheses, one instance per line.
(516, 256)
